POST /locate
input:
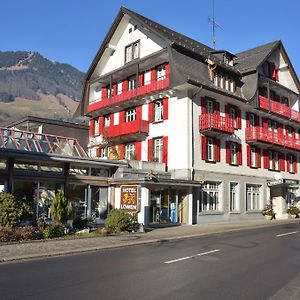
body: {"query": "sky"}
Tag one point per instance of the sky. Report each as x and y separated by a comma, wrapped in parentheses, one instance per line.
(71, 31)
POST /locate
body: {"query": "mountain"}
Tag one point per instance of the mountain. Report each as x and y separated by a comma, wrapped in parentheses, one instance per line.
(31, 84)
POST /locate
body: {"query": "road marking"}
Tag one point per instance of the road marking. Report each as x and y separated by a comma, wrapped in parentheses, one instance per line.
(288, 233)
(188, 257)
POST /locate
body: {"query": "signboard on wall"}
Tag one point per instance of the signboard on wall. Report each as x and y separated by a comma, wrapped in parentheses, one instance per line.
(129, 198)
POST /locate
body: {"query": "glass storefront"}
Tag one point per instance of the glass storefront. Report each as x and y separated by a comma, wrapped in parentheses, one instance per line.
(164, 207)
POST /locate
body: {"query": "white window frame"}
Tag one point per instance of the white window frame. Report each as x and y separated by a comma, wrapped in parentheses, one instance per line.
(233, 196)
(233, 115)
(130, 115)
(252, 120)
(147, 77)
(132, 83)
(253, 197)
(158, 111)
(210, 197)
(209, 106)
(98, 93)
(119, 87)
(132, 51)
(276, 161)
(107, 121)
(161, 72)
(158, 150)
(290, 163)
(253, 157)
(210, 149)
(233, 153)
(96, 127)
(129, 151)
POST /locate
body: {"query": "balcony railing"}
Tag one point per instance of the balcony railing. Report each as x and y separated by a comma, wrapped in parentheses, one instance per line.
(151, 88)
(215, 122)
(13, 139)
(279, 109)
(128, 128)
(271, 137)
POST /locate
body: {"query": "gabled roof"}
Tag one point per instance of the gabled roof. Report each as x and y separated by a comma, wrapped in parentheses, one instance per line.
(250, 60)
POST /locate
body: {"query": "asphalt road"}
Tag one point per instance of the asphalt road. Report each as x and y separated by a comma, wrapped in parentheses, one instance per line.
(250, 264)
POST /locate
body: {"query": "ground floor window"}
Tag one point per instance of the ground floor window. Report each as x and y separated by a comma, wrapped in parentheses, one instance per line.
(233, 196)
(253, 196)
(210, 197)
(290, 195)
(99, 203)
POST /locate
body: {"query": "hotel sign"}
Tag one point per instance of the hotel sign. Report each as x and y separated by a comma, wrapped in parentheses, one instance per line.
(129, 198)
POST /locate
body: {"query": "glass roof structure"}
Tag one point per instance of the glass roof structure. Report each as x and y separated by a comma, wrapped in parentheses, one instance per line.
(14, 139)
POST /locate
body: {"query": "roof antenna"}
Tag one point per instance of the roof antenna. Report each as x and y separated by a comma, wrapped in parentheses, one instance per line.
(214, 25)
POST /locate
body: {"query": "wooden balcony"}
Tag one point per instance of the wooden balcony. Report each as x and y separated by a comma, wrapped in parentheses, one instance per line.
(145, 90)
(134, 130)
(216, 124)
(279, 109)
(261, 135)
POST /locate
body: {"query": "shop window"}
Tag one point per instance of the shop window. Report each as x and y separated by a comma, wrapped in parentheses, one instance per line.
(132, 51)
(210, 197)
(253, 197)
(234, 196)
(99, 172)
(53, 168)
(74, 170)
(26, 166)
(2, 164)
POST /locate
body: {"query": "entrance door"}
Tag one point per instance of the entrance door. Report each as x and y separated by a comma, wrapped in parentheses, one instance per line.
(99, 204)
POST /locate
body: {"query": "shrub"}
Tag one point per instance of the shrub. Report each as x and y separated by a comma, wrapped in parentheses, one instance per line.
(61, 208)
(11, 210)
(119, 220)
(53, 231)
(8, 234)
(79, 223)
(41, 224)
(293, 209)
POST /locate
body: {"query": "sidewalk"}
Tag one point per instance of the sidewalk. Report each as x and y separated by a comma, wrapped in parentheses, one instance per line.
(39, 249)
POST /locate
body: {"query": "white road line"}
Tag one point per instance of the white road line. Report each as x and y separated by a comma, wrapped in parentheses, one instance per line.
(188, 257)
(288, 233)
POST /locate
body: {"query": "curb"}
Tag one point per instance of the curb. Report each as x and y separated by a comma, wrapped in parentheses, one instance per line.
(140, 242)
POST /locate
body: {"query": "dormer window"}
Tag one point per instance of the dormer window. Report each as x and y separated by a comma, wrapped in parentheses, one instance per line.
(132, 51)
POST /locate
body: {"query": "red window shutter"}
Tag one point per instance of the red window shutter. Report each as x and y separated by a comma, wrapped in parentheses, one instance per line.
(281, 162)
(139, 112)
(121, 117)
(258, 157)
(240, 155)
(141, 79)
(217, 108)
(114, 89)
(204, 147)
(295, 164)
(92, 127)
(247, 119)
(217, 150)
(151, 112)
(239, 119)
(101, 124)
(228, 158)
(138, 150)
(266, 159)
(165, 150)
(150, 150)
(203, 105)
(103, 93)
(124, 85)
(121, 151)
(265, 123)
(280, 128)
(166, 108)
(98, 150)
(153, 75)
(248, 156)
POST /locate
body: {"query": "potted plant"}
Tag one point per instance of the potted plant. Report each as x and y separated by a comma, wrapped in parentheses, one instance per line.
(268, 212)
(293, 210)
